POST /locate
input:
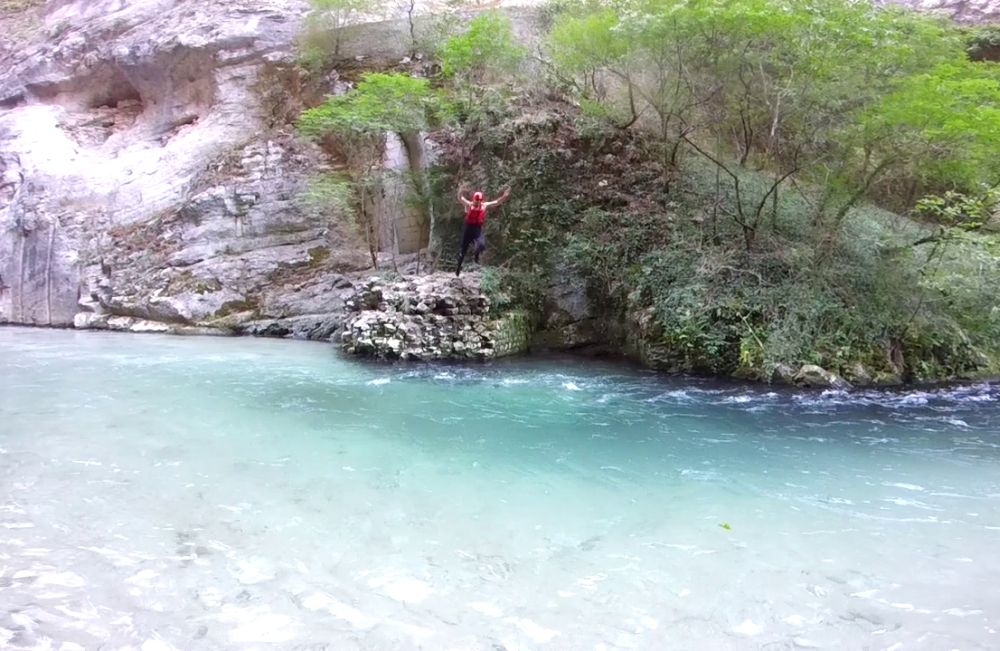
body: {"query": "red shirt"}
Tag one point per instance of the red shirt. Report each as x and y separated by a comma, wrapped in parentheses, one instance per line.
(475, 215)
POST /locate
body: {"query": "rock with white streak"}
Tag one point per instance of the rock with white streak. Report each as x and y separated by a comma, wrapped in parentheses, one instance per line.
(148, 171)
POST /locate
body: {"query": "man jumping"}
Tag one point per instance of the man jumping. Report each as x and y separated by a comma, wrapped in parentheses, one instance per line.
(475, 223)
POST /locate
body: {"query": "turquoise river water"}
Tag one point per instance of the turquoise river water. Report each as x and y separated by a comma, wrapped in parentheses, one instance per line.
(162, 493)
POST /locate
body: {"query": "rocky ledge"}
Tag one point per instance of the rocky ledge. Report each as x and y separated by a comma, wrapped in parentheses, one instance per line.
(431, 317)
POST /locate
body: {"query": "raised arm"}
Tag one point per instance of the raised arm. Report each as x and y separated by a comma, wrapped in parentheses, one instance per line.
(461, 197)
(499, 200)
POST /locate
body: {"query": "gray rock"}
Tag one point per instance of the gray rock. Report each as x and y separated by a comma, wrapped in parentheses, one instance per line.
(144, 173)
(858, 375)
(783, 374)
(888, 380)
(811, 375)
(569, 319)
(399, 324)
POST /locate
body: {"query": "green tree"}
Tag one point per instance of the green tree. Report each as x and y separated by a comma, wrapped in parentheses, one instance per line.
(476, 60)
(967, 211)
(942, 127)
(779, 87)
(381, 103)
(320, 40)
(486, 49)
(984, 43)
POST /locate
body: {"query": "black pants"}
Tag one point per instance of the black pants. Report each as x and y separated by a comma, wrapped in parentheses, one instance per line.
(472, 234)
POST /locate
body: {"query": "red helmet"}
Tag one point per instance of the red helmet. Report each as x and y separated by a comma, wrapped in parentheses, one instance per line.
(477, 196)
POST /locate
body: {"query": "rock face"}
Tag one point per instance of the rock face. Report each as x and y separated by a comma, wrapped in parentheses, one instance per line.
(570, 320)
(965, 11)
(429, 317)
(148, 173)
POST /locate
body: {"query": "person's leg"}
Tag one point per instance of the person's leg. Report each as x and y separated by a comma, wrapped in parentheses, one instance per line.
(461, 255)
(469, 234)
(480, 244)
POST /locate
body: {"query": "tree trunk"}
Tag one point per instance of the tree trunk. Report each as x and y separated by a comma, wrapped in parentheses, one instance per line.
(414, 145)
(370, 234)
(749, 235)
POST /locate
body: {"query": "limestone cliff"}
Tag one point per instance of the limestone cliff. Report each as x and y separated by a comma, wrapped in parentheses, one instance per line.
(147, 175)
(965, 11)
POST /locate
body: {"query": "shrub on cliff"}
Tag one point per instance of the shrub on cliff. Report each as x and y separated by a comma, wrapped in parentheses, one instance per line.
(485, 51)
(381, 103)
(478, 63)
(320, 39)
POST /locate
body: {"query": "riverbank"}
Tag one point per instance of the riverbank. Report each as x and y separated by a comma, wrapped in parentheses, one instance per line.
(571, 358)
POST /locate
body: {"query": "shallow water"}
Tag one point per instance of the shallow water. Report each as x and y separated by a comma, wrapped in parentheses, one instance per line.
(199, 493)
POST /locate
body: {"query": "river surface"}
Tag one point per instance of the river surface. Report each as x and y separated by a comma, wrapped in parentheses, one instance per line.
(163, 493)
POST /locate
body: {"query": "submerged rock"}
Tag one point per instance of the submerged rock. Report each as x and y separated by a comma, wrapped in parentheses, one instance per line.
(747, 373)
(132, 324)
(437, 316)
(888, 379)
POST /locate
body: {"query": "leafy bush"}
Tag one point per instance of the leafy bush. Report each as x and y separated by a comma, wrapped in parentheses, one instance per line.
(381, 102)
(984, 43)
(319, 42)
(943, 126)
(860, 99)
(485, 49)
(966, 211)
(511, 289)
(331, 192)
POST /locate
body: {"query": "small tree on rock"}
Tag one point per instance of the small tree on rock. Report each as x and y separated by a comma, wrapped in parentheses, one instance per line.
(381, 103)
(321, 39)
(480, 57)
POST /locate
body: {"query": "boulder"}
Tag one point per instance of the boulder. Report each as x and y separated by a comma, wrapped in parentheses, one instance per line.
(401, 325)
(746, 373)
(569, 320)
(814, 376)
(783, 374)
(888, 379)
(858, 375)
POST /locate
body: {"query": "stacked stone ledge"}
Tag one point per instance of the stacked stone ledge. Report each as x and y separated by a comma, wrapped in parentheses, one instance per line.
(431, 317)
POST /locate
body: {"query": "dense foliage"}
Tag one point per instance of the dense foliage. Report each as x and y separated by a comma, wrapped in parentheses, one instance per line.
(743, 184)
(800, 112)
(380, 102)
(485, 49)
